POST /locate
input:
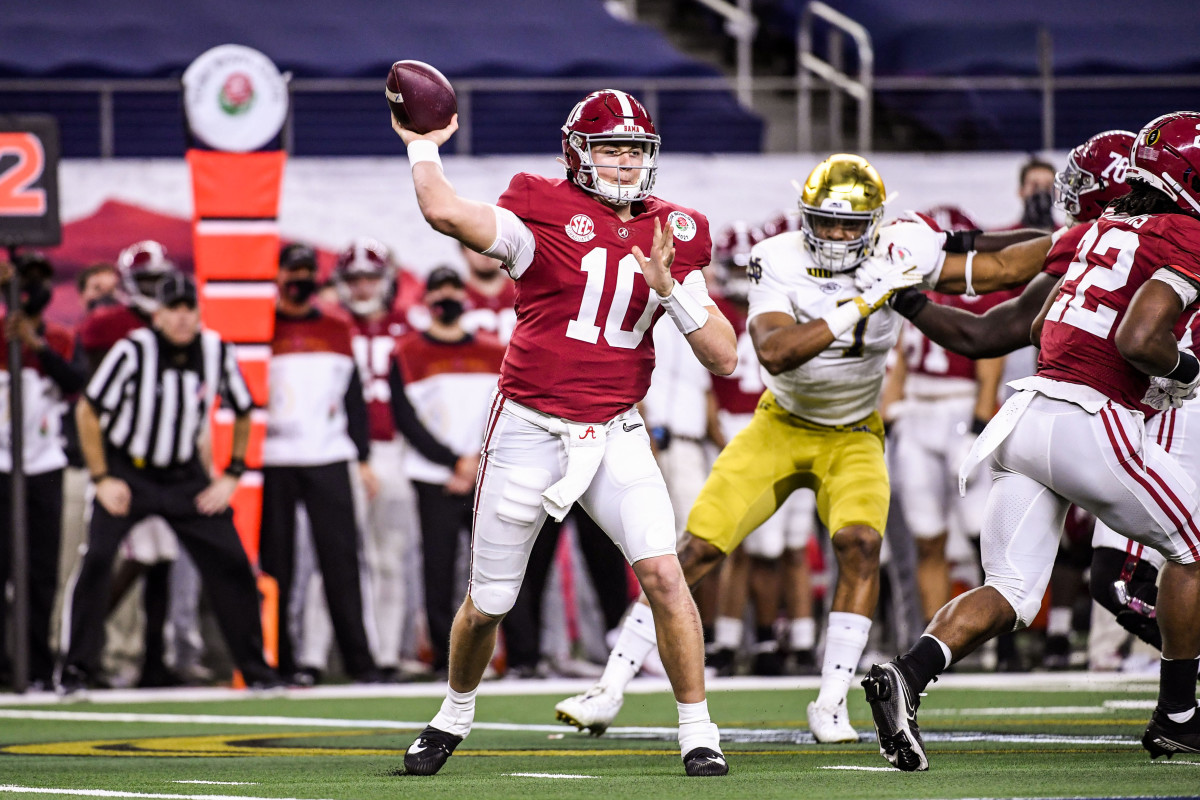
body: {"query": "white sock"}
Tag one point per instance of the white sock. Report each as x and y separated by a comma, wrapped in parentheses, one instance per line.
(845, 640)
(634, 642)
(1182, 716)
(945, 649)
(696, 729)
(1058, 623)
(457, 712)
(727, 633)
(802, 634)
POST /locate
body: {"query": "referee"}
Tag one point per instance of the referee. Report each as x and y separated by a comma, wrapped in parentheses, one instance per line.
(140, 419)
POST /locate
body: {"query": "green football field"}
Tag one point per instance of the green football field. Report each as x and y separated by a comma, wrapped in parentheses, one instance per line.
(989, 736)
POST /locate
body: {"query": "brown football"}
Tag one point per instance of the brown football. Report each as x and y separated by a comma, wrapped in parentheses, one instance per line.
(420, 97)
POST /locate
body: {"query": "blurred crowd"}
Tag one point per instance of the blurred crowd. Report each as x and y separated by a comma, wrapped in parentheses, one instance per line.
(379, 389)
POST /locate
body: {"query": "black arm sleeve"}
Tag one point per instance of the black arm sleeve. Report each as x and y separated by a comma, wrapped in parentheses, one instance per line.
(411, 426)
(356, 416)
(67, 375)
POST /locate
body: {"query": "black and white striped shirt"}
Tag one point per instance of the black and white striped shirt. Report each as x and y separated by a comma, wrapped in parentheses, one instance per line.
(153, 407)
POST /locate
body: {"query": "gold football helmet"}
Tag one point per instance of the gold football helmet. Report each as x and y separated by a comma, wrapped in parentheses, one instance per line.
(841, 206)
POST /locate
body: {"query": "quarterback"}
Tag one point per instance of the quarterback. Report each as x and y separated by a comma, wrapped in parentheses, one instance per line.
(821, 328)
(597, 261)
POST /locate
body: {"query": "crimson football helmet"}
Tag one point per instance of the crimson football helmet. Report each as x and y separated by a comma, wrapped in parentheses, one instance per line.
(951, 218)
(143, 265)
(1094, 175)
(784, 222)
(1166, 155)
(731, 256)
(610, 116)
(371, 259)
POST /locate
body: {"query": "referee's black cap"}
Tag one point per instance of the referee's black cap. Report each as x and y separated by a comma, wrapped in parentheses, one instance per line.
(176, 288)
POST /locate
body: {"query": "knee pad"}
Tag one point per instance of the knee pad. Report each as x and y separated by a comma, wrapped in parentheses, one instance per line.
(504, 532)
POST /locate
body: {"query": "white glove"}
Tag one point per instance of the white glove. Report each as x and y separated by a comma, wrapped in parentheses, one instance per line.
(1167, 393)
(868, 272)
(888, 278)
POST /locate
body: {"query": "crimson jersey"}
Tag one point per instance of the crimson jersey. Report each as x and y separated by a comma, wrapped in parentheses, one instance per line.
(925, 357)
(492, 314)
(104, 328)
(1062, 252)
(373, 342)
(1114, 258)
(738, 393)
(580, 349)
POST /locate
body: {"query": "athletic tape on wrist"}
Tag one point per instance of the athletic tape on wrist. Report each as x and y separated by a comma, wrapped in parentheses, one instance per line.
(844, 317)
(423, 150)
(970, 292)
(686, 312)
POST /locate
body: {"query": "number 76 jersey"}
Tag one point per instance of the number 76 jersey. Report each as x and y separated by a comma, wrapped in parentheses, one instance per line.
(1114, 258)
(581, 347)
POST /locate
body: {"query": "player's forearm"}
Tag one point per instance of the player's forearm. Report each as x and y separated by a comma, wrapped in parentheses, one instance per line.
(968, 334)
(786, 348)
(1015, 265)
(715, 344)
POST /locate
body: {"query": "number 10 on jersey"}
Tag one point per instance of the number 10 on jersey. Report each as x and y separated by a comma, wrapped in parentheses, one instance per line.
(584, 327)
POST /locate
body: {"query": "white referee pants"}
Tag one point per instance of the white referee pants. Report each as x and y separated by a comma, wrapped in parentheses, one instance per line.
(1058, 454)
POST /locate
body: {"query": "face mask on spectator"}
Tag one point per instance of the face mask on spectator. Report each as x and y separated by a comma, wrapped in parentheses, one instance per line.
(447, 310)
(1037, 210)
(299, 290)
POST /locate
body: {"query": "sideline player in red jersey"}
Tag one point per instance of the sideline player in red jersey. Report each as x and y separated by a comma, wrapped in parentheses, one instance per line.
(1073, 434)
(597, 260)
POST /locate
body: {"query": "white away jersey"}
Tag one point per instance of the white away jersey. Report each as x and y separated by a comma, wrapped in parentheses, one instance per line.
(841, 384)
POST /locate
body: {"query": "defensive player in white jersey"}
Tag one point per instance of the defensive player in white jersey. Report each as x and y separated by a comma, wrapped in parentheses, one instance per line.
(823, 343)
(597, 261)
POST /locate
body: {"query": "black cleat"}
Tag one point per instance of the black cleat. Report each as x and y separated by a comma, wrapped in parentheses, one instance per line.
(1166, 738)
(702, 762)
(430, 751)
(72, 683)
(894, 712)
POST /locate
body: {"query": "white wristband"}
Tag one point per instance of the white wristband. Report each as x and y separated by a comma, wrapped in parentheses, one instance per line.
(686, 312)
(423, 150)
(842, 318)
(970, 292)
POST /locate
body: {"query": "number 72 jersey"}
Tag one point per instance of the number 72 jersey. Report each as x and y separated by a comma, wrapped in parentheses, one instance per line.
(1114, 258)
(580, 349)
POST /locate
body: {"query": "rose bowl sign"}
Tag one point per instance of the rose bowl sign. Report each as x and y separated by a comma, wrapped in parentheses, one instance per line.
(235, 98)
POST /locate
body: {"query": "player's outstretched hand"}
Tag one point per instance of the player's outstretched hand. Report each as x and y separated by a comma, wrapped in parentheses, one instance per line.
(657, 268)
(438, 137)
(889, 278)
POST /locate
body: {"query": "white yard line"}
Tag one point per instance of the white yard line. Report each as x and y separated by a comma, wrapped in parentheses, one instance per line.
(862, 769)
(150, 795)
(565, 687)
(220, 783)
(546, 775)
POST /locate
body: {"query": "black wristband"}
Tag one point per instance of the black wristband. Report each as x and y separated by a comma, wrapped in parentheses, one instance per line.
(908, 302)
(961, 241)
(1186, 370)
(977, 425)
(97, 478)
(236, 468)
